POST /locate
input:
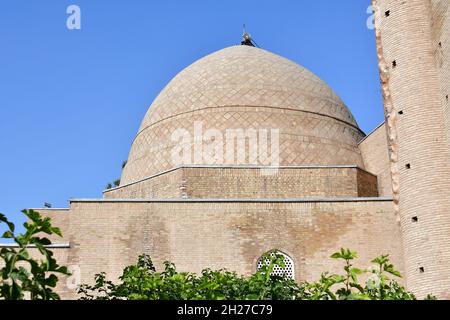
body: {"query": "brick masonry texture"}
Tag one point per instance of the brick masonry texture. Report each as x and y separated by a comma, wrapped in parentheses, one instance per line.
(61, 219)
(106, 236)
(410, 35)
(245, 182)
(167, 185)
(243, 87)
(62, 255)
(441, 37)
(374, 150)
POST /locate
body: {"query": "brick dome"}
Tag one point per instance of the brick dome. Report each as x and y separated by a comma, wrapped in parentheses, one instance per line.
(247, 87)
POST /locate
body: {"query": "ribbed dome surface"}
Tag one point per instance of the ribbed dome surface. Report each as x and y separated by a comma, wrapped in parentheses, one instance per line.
(246, 87)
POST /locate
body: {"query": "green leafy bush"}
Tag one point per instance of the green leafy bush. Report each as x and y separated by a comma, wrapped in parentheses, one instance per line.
(142, 282)
(22, 275)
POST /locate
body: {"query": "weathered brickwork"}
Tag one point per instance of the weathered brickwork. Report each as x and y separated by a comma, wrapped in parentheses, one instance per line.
(410, 32)
(200, 182)
(106, 236)
(374, 151)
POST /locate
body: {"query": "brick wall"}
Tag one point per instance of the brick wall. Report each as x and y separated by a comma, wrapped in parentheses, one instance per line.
(166, 185)
(246, 182)
(61, 219)
(106, 236)
(408, 36)
(374, 150)
(441, 39)
(304, 139)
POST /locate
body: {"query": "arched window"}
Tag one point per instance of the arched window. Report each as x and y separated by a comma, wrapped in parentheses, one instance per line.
(288, 270)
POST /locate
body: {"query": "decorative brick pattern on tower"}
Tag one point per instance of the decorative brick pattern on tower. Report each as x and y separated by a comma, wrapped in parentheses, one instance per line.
(414, 43)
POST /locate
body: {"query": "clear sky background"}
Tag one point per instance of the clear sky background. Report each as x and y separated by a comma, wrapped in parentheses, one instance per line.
(71, 101)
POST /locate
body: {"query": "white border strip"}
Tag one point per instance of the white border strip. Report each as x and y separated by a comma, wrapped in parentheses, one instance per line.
(51, 246)
(242, 200)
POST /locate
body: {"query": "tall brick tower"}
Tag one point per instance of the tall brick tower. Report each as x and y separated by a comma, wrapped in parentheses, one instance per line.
(413, 40)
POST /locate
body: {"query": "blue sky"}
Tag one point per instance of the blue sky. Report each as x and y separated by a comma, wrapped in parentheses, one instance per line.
(71, 101)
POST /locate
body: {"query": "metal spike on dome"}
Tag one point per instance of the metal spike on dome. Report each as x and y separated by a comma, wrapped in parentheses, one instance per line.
(247, 39)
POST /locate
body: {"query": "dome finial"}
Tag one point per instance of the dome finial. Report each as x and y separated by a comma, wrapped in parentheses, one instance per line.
(247, 39)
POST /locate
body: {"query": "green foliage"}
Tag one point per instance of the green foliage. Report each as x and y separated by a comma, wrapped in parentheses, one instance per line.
(143, 282)
(23, 274)
(378, 286)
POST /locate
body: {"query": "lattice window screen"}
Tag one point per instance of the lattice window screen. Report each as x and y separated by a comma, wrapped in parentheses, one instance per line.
(288, 271)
